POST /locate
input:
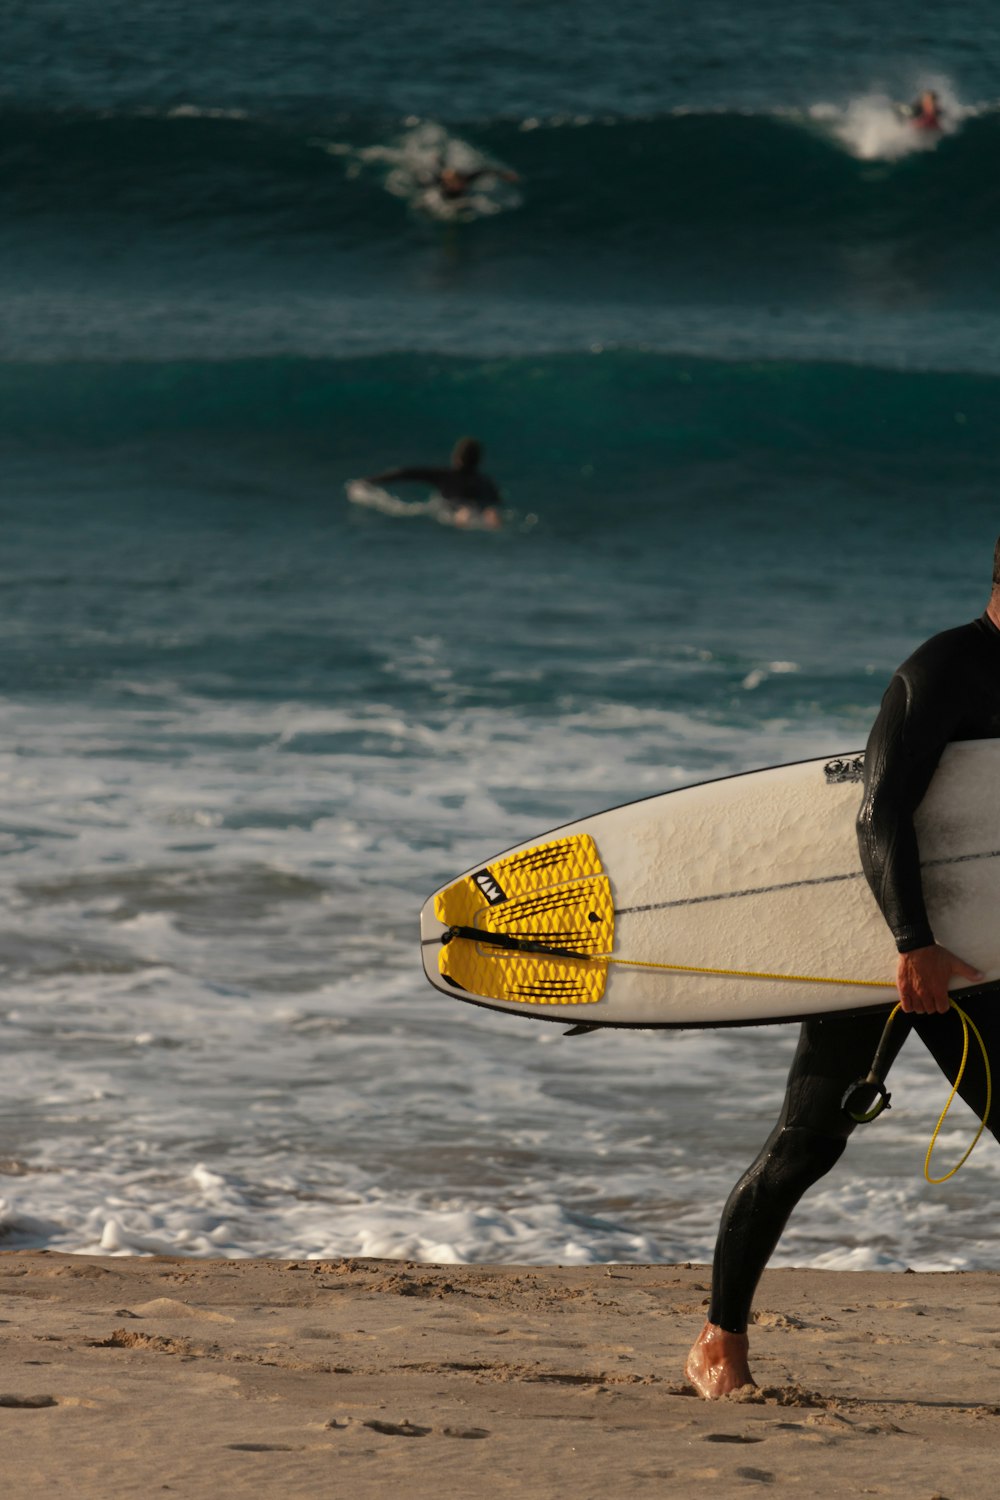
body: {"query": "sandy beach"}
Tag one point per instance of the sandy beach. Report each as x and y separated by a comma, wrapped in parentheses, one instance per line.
(138, 1376)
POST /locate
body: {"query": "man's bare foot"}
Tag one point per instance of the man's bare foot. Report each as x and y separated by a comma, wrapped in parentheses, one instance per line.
(717, 1363)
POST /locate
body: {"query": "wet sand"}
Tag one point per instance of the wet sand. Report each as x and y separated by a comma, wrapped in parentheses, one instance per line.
(148, 1376)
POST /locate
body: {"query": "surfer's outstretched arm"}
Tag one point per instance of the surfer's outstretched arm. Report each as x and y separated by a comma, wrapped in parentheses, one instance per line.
(425, 476)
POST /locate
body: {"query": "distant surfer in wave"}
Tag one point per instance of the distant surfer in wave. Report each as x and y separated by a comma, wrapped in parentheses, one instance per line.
(926, 113)
(464, 487)
(949, 689)
(454, 183)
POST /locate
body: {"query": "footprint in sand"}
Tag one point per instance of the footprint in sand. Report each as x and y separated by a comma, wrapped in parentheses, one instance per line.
(729, 1437)
(405, 1428)
(262, 1448)
(397, 1429)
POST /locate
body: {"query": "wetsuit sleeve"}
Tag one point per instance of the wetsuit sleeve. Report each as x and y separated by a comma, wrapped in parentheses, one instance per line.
(913, 726)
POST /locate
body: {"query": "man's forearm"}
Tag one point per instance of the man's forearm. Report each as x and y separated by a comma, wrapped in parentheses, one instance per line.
(890, 859)
(897, 774)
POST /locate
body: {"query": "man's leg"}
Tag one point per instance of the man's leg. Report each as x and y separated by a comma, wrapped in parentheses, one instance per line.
(808, 1139)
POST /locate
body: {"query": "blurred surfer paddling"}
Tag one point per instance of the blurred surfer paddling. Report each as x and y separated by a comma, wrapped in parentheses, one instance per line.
(464, 487)
(949, 689)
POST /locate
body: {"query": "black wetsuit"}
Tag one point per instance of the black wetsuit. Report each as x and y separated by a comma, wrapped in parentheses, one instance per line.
(457, 486)
(949, 689)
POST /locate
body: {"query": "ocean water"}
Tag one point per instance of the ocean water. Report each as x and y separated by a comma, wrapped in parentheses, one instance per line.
(731, 341)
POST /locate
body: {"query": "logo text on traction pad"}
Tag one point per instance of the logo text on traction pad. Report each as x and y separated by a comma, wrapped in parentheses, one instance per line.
(846, 768)
(489, 887)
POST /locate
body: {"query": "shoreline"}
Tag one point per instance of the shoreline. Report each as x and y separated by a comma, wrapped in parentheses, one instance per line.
(129, 1376)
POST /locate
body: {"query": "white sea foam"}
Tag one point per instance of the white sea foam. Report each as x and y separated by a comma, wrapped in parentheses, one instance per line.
(876, 127)
(372, 497)
(216, 1039)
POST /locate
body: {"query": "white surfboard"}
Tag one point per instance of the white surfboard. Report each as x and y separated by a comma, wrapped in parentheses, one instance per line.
(731, 902)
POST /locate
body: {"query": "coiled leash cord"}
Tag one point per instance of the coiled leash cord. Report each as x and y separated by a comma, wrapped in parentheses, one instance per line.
(874, 1080)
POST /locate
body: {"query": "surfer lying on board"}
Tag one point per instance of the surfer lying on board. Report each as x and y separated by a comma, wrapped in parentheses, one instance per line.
(464, 486)
(949, 689)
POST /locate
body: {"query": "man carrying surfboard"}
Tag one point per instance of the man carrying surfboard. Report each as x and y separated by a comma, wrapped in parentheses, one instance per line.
(949, 689)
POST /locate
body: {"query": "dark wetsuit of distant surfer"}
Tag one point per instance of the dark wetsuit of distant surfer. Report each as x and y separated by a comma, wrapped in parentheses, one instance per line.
(464, 486)
(947, 690)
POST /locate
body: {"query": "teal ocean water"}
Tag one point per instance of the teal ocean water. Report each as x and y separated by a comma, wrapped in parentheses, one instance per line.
(731, 342)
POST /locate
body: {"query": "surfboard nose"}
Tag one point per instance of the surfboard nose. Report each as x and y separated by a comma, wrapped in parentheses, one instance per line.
(431, 932)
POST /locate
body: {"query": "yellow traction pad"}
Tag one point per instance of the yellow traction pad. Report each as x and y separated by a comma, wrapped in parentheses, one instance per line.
(552, 893)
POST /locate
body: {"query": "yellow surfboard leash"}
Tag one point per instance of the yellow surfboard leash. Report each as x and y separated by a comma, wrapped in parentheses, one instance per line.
(874, 1080)
(638, 963)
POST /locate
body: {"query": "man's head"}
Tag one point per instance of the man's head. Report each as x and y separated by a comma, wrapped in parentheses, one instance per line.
(466, 453)
(996, 566)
